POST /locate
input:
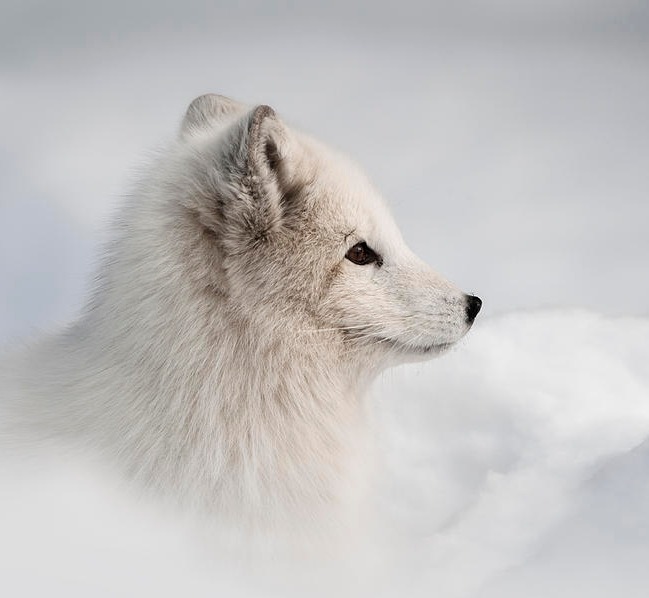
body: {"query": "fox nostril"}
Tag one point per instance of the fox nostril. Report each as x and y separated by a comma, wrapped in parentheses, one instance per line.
(473, 305)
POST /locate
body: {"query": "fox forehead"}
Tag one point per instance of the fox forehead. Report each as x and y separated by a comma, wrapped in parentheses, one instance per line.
(342, 198)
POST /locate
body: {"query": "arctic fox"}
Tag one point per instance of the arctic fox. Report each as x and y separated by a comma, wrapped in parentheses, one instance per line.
(254, 287)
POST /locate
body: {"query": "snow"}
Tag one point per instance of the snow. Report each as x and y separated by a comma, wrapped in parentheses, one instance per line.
(528, 438)
(511, 141)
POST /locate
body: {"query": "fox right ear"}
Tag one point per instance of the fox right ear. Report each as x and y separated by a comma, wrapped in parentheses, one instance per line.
(207, 110)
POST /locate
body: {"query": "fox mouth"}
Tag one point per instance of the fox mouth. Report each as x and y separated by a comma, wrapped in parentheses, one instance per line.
(404, 347)
(398, 345)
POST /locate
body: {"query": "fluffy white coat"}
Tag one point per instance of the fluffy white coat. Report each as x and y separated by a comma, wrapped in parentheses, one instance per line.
(225, 352)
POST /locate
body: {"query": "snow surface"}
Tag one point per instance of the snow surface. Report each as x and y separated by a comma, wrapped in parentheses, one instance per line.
(524, 460)
(511, 140)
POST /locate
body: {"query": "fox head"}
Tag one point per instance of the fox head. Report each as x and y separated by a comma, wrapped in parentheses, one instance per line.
(293, 236)
(253, 286)
(301, 231)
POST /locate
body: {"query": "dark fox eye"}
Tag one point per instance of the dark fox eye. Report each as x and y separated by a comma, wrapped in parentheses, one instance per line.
(362, 255)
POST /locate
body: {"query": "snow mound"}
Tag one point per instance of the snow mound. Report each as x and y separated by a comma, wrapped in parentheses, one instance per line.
(502, 448)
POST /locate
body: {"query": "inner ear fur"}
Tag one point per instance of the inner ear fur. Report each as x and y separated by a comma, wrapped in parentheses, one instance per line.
(250, 180)
(267, 149)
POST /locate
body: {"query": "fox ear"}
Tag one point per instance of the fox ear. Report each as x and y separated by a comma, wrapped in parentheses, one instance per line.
(256, 163)
(207, 110)
(267, 149)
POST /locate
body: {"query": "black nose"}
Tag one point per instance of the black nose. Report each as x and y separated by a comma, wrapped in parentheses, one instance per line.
(473, 305)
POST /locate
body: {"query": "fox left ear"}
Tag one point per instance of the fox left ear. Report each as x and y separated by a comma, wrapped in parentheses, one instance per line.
(267, 145)
(257, 164)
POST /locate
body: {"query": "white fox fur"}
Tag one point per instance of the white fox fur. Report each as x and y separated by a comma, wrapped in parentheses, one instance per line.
(226, 349)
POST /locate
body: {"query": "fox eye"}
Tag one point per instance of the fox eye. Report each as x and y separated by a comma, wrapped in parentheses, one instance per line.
(362, 255)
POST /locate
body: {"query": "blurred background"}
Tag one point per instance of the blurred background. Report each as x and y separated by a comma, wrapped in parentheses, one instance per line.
(511, 139)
